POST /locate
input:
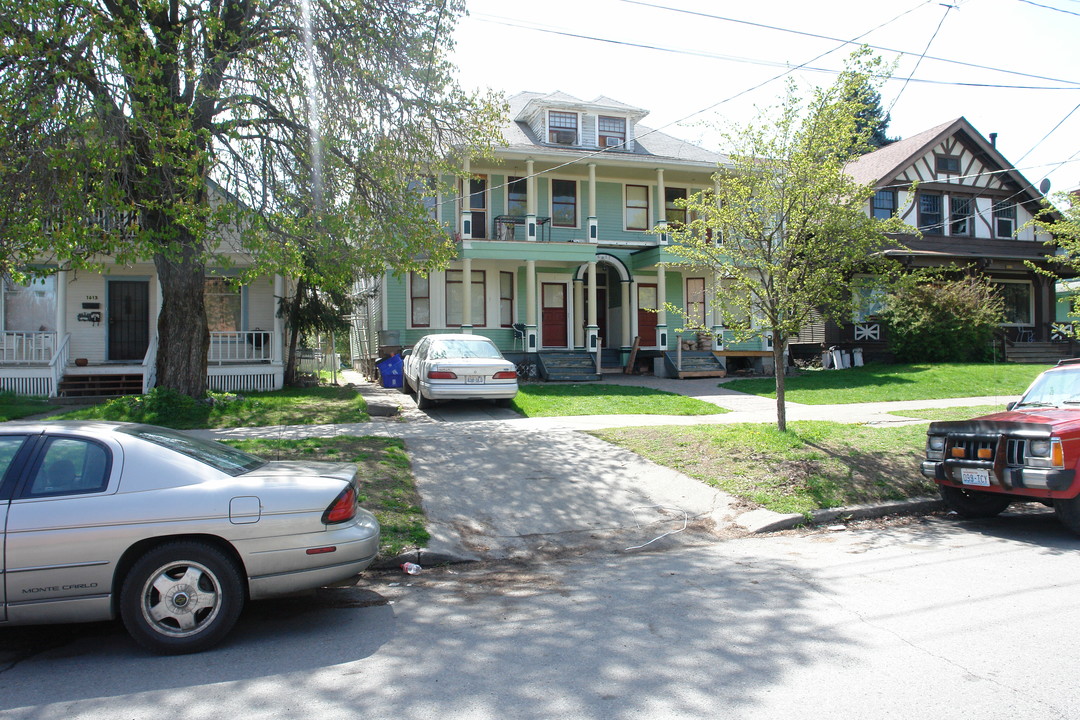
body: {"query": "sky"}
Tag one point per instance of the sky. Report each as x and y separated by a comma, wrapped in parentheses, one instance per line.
(1010, 67)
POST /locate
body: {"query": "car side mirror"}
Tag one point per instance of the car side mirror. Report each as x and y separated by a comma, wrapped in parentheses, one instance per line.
(1010, 406)
(406, 352)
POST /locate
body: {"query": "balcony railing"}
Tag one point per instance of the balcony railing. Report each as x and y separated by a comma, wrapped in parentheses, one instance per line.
(27, 348)
(245, 346)
(506, 228)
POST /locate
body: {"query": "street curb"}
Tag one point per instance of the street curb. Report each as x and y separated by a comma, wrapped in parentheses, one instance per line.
(766, 521)
(422, 557)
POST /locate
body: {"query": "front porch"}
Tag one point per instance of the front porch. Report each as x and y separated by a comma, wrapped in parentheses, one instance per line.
(41, 364)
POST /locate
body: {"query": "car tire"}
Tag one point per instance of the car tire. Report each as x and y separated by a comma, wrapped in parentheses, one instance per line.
(422, 403)
(1068, 512)
(974, 503)
(163, 586)
(404, 389)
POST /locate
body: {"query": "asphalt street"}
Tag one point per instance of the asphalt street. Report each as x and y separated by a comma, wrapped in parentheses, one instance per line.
(926, 618)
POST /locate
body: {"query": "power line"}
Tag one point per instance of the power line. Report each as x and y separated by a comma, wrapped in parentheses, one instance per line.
(506, 22)
(818, 36)
(918, 62)
(1060, 122)
(1048, 7)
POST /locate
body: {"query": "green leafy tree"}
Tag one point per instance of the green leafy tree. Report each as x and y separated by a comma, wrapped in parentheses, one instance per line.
(194, 132)
(786, 229)
(938, 319)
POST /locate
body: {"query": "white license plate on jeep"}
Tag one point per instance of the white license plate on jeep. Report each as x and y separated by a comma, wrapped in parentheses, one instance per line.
(975, 476)
(474, 379)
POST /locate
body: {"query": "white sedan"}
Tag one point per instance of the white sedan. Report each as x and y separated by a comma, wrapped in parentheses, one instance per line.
(171, 533)
(457, 367)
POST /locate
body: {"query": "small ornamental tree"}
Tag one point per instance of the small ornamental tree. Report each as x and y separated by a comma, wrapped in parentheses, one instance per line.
(943, 320)
(785, 229)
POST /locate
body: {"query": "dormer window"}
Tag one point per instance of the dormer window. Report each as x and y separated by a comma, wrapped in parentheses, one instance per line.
(562, 127)
(611, 131)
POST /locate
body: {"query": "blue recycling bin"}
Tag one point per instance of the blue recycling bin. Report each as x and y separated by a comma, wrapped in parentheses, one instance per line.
(390, 371)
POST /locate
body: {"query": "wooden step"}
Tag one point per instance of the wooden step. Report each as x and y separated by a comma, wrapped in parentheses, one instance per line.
(93, 386)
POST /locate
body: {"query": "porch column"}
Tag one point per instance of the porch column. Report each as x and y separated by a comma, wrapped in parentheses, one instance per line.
(661, 314)
(661, 206)
(716, 316)
(530, 202)
(465, 224)
(592, 332)
(61, 307)
(278, 346)
(466, 292)
(579, 313)
(627, 313)
(531, 345)
(593, 224)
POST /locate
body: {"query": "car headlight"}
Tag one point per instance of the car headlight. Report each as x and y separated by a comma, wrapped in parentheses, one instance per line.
(1045, 453)
(935, 447)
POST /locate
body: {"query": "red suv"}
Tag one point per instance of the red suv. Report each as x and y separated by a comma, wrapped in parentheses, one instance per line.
(1029, 453)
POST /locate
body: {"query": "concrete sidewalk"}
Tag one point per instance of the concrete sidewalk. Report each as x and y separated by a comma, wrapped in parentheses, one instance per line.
(495, 485)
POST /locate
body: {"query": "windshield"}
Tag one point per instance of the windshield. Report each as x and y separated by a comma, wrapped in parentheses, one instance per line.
(1058, 387)
(222, 457)
(443, 349)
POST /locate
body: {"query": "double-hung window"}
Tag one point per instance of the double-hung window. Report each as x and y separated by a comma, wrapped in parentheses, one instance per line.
(1004, 219)
(695, 302)
(961, 216)
(30, 307)
(884, 204)
(477, 204)
(222, 301)
(675, 215)
(930, 220)
(420, 300)
(562, 127)
(517, 198)
(564, 203)
(611, 131)
(455, 298)
(637, 207)
(506, 299)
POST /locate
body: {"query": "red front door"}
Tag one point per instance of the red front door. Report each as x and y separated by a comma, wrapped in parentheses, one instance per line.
(646, 315)
(553, 317)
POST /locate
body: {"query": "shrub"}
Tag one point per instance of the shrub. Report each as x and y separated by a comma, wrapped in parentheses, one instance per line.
(160, 406)
(944, 320)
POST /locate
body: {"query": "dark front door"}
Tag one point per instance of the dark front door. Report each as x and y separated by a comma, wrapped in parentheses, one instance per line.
(554, 315)
(129, 319)
(601, 314)
(646, 315)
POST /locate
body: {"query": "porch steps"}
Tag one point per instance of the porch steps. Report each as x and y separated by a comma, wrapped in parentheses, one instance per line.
(1042, 353)
(694, 364)
(568, 366)
(103, 386)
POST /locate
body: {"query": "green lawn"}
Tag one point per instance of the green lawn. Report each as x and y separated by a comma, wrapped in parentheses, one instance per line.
(13, 407)
(876, 383)
(953, 413)
(555, 400)
(291, 406)
(813, 465)
(386, 482)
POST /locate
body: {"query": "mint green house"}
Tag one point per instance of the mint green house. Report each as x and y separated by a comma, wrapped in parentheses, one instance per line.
(560, 249)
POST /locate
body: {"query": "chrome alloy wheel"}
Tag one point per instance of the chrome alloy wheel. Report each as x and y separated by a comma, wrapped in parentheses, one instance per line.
(181, 598)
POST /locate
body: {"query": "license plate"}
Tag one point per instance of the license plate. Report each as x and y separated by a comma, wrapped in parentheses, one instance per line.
(474, 379)
(975, 476)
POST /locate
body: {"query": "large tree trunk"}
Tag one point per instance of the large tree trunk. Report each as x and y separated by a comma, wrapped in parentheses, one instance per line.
(779, 375)
(183, 336)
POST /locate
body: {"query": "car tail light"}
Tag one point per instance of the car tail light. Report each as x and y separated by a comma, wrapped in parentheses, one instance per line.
(342, 509)
(441, 375)
(505, 375)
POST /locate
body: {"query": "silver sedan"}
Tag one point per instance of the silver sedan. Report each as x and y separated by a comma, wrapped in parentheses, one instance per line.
(171, 533)
(449, 366)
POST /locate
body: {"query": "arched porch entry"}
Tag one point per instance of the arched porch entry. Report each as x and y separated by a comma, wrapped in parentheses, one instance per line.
(611, 294)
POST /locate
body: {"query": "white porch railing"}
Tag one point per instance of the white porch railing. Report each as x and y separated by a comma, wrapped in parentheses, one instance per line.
(149, 366)
(27, 348)
(245, 346)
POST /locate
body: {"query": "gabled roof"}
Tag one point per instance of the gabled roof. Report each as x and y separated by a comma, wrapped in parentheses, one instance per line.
(882, 166)
(648, 143)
